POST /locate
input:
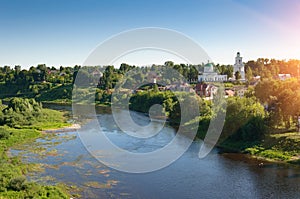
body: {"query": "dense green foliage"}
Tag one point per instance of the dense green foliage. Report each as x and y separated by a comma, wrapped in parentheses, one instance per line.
(270, 68)
(142, 101)
(50, 84)
(244, 117)
(244, 120)
(282, 100)
(58, 93)
(27, 113)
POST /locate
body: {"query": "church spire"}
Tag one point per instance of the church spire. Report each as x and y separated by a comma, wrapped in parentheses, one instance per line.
(239, 66)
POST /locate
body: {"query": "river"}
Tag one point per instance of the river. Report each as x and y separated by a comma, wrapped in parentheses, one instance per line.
(219, 175)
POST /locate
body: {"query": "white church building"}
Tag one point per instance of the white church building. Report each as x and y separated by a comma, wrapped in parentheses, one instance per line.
(209, 75)
(239, 67)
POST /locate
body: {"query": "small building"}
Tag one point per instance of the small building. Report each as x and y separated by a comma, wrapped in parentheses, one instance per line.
(229, 93)
(53, 72)
(62, 74)
(153, 77)
(240, 91)
(180, 87)
(254, 80)
(205, 90)
(97, 74)
(283, 77)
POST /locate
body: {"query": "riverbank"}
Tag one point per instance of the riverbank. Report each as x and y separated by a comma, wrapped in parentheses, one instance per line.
(72, 127)
(13, 172)
(275, 147)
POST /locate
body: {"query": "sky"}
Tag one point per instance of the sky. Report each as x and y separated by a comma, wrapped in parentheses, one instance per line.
(65, 32)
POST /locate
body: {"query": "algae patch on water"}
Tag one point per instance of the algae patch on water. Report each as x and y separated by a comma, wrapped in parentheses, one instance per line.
(94, 184)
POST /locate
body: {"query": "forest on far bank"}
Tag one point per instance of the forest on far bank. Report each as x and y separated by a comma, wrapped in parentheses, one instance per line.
(27, 78)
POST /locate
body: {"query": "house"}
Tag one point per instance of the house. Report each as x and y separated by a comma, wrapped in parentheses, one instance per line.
(201, 89)
(205, 90)
(96, 77)
(283, 77)
(185, 87)
(229, 93)
(97, 74)
(153, 77)
(62, 74)
(254, 81)
(240, 91)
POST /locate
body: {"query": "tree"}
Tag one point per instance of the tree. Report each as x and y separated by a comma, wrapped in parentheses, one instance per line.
(42, 71)
(82, 78)
(21, 112)
(282, 99)
(193, 74)
(17, 69)
(169, 63)
(237, 75)
(229, 71)
(155, 88)
(124, 68)
(241, 112)
(249, 74)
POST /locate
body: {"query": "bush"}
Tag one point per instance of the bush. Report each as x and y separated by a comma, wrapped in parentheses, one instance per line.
(17, 184)
(20, 112)
(254, 130)
(4, 134)
(244, 119)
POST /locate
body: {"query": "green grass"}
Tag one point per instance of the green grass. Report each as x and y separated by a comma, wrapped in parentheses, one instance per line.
(51, 119)
(284, 146)
(280, 147)
(275, 155)
(17, 136)
(13, 183)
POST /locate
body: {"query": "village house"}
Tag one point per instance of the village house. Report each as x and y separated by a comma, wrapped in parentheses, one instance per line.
(180, 87)
(283, 77)
(205, 90)
(240, 91)
(229, 93)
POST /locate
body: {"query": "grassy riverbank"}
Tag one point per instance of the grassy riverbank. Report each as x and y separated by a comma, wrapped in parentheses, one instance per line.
(279, 147)
(13, 182)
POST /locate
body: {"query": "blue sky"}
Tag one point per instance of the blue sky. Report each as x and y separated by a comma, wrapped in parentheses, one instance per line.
(64, 32)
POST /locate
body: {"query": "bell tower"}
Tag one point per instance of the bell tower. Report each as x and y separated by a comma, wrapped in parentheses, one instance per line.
(239, 66)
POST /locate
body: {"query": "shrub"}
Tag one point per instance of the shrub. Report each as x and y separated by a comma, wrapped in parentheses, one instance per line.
(20, 112)
(4, 134)
(244, 119)
(254, 130)
(17, 184)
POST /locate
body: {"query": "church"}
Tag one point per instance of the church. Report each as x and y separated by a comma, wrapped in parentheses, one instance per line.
(239, 67)
(209, 75)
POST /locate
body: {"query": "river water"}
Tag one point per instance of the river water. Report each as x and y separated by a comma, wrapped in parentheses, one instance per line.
(216, 176)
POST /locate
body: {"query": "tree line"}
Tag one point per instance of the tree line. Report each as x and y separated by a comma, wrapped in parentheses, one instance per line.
(266, 68)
